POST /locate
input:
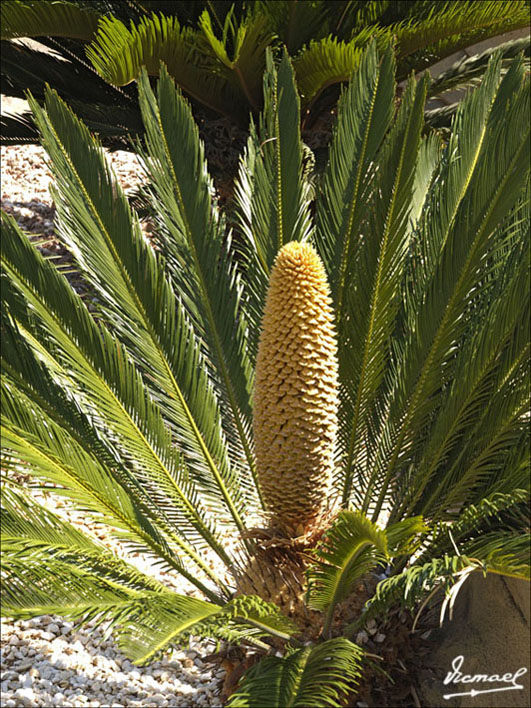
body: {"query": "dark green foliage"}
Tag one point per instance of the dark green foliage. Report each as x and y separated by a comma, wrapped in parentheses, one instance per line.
(215, 50)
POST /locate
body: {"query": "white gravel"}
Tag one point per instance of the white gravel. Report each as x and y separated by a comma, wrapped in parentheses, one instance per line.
(47, 661)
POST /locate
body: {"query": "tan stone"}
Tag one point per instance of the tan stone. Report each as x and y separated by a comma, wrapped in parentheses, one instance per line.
(490, 628)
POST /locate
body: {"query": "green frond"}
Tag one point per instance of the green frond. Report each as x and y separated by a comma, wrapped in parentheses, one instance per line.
(452, 26)
(504, 553)
(196, 59)
(497, 512)
(313, 677)
(249, 41)
(413, 584)
(110, 111)
(50, 454)
(48, 566)
(80, 355)
(31, 18)
(501, 553)
(364, 114)
(272, 199)
(441, 118)
(468, 69)
(162, 620)
(295, 23)
(16, 129)
(488, 389)
(429, 156)
(192, 240)
(482, 173)
(30, 528)
(136, 297)
(350, 548)
(329, 61)
(370, 275)
(405, 537)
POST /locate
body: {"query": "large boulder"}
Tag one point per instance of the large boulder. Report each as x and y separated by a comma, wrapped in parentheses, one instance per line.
(490, 630)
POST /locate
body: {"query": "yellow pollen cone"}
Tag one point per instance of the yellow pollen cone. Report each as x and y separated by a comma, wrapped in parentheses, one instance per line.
(295, 404)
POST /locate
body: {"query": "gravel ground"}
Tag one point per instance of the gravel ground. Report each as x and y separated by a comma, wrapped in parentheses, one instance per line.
(47, 661)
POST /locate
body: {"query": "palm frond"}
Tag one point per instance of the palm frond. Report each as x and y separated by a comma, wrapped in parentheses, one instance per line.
(161, 620)
(505, 553)
(364, 114)
(498, 512)
(192, 239)
(28, 527)
(48, 566)
(464, 71)
(371, 272)
(107, 485)
(488, 370)
(295, 23)
(196, 59)
(110, 111)
(82, 356)
(313, 677)
(330, 61)
(351, 547)
(450, 26)
(441, 118)
(28, 18)
(271, 196)
(16, 129)
(249, 40)
(405, 537)
(508, 556)
(96, 223)
(478, 190)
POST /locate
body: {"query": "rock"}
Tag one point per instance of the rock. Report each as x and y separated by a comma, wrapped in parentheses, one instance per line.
(379, 638)
(53, 628)
(26, 695)
(490, 629)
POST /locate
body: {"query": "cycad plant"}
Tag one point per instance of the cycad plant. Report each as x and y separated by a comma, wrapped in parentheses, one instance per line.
(338, 394)
(216, 50)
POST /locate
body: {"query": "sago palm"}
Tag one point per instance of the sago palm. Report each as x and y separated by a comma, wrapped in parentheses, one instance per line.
(216, 50)
(338, 392)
